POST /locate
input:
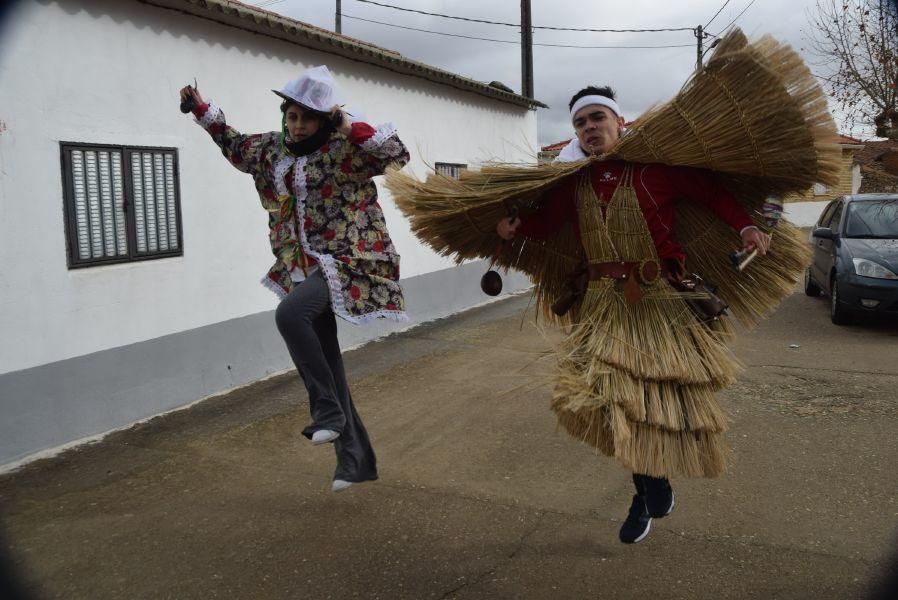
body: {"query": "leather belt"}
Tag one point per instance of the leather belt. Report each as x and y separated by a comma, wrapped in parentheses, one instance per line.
(646, 271)
(634, 274)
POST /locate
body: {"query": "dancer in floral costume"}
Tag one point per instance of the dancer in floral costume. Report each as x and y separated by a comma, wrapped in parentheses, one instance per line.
(333, 253)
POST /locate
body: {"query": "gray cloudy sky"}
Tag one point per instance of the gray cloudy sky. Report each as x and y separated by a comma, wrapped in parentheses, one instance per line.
(642, 77)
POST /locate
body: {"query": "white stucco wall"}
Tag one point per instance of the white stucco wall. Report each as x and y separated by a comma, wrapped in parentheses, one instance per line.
(108, 72)
(855, 178)
(804, 214)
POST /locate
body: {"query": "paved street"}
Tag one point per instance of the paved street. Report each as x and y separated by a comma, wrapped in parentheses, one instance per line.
(480, 495)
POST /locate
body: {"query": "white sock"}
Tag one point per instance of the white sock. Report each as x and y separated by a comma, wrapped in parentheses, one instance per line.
(339, 485)
(323, 436)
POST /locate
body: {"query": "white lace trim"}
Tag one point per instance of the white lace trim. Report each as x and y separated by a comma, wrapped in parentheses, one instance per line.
(213, 115)
(280, 169)
(273, 287)
(391, 315)
(381, 135)
(329, 270)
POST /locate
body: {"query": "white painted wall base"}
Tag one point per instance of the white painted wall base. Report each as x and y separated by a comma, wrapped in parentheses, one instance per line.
(804, 214)
(54, 405)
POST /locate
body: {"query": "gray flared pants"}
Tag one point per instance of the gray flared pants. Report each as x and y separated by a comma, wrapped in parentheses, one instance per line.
(309, 328)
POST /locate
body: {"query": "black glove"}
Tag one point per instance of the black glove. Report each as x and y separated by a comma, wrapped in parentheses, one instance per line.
(188, 103)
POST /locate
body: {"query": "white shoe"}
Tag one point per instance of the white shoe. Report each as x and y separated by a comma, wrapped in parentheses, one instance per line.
(339, 485)
(323, 436)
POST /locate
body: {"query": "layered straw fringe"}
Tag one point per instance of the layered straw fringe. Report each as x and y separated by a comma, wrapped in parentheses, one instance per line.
(637, 381)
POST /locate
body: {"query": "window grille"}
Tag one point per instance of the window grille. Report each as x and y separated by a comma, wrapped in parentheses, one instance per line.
(450, 169)
(121, 203)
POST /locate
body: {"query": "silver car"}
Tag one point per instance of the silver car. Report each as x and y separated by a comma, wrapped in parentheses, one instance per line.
(855, 261)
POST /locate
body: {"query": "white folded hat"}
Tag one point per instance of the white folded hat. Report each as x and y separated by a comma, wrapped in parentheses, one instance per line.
(315, 89)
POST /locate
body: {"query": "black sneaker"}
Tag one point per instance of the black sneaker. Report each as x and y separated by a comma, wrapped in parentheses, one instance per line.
(659, 496)
(638, 522)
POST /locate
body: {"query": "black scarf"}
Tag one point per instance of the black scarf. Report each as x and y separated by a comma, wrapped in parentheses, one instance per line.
(311, 143)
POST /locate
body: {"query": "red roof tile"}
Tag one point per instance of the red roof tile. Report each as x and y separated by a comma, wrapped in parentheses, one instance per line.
(555, 146)
(871, 153)
(846, 139)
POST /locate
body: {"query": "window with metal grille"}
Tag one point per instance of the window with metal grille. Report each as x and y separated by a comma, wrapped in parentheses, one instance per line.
(121, 203)
(450, 169)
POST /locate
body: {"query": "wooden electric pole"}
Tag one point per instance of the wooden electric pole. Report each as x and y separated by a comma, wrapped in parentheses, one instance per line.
(699, 36)
(526, 51)
(339, 25)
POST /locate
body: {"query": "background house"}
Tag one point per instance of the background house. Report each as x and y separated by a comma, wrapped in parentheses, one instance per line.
(879, 167)
(131, 251)
(804, 209)
(849, 175)
(550, 152)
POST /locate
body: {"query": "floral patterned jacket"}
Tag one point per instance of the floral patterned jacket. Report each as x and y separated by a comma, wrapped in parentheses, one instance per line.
(323, 209)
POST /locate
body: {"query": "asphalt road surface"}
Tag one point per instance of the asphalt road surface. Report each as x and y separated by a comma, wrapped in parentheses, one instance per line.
(480, 495)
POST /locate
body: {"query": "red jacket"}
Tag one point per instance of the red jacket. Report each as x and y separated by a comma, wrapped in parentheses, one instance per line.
(658, 188)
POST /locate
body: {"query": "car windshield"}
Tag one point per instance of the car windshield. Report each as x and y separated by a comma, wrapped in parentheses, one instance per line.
(872, 219)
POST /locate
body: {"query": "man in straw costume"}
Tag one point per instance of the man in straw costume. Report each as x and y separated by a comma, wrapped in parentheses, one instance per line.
(645, 345)
(622, 214)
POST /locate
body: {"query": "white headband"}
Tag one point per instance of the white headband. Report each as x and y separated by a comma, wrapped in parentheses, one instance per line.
(600, 100)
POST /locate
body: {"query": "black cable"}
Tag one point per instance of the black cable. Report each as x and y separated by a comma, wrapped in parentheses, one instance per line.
(468, 37)
(737, 17)
(431, 14)
(717, 13)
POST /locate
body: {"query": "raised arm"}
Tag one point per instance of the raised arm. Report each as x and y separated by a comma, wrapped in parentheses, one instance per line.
(244, 152)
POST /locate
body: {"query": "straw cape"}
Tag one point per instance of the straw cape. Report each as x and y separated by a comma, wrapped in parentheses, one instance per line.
(637, 380)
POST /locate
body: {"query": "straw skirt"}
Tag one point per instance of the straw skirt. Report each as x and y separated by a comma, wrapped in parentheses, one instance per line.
(637, 379)
(638, 382)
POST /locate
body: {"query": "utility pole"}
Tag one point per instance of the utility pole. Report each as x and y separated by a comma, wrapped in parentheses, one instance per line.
(699, 37)
(337, 19)
(526, 51)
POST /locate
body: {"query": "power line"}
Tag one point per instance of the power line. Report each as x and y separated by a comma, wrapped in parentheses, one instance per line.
(421, 12)
(469, 37)
(613, 47)
(431, 14)
(458, 35)
(737, 17)
(267, 3)
(717, 13)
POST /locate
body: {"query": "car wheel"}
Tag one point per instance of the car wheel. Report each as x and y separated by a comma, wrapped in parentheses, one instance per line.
(837, 311)
(810, 288)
